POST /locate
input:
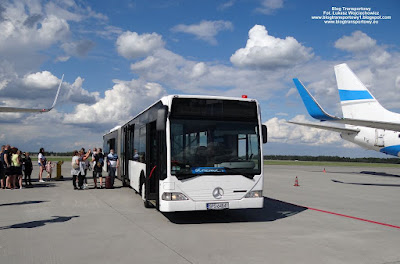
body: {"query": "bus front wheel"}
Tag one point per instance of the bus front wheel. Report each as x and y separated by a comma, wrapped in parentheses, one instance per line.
(146, 203)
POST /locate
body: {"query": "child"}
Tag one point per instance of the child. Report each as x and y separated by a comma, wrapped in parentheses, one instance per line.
(49, 169)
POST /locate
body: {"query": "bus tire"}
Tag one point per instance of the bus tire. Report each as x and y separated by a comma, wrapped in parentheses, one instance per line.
(146, 203)
(124, 183)
(141, 182)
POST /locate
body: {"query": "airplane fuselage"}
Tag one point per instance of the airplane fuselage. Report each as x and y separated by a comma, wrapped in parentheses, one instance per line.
(385, 141)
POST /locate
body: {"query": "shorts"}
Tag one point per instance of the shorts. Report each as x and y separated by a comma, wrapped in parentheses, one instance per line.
(97, 174)
(2, 172)
(8, 171)
(16, 170)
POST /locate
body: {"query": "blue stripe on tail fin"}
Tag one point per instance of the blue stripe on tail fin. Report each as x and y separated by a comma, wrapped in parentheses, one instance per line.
(349, 95)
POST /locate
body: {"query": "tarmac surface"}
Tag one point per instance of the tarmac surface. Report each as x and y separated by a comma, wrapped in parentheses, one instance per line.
(346, 215)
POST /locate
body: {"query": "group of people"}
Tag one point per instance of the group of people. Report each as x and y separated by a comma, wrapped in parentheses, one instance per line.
(83, 161)
(13, 163)
(16, 165)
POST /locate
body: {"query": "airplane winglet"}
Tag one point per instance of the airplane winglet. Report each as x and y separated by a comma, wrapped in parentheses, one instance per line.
(58, 92)
(313, 108)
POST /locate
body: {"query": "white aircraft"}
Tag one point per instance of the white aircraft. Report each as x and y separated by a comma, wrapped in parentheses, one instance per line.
(32, 110)
(367, 123)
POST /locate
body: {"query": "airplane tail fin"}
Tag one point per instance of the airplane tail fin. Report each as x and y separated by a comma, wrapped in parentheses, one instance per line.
(313, 107)
(356, 100)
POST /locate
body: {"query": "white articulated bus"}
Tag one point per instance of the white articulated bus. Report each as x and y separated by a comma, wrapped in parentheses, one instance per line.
(186, 153)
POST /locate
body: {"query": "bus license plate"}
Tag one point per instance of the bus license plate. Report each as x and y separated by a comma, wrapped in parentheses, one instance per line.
(217, 206)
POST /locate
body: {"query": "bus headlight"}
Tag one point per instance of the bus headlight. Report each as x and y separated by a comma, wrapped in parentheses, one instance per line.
(254, 194)
(173, 196)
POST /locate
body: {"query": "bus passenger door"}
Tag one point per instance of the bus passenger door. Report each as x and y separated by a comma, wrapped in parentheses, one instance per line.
(128, 152)
(152, 164)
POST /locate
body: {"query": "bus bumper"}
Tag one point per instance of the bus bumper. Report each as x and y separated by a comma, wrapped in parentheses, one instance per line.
(176, 206)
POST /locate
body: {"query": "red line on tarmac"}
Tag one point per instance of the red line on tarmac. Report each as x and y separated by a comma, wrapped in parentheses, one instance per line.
(352, 217)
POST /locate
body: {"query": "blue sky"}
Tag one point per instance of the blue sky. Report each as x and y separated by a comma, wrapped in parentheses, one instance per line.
(120, 56)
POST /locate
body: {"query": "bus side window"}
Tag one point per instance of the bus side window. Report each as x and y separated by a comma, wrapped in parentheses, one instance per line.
(142, 144)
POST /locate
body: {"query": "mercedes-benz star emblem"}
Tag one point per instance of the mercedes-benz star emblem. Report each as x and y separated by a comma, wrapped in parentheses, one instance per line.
(218, 193)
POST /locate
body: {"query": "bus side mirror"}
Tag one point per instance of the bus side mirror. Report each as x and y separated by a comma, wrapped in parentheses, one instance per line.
(264, 133)
(161, 118)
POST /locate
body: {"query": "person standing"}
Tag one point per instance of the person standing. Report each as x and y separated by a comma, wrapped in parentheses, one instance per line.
(7, 161)
(28, 167)
(78, 168)
(93, 165)
(16, 162)
(75, 170)
(49, 169)
(41, 163)
(98, 160)
(86, 166)
(2, 168)
(113, 164)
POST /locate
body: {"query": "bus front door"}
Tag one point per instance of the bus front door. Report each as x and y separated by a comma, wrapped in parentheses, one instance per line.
(152, 165)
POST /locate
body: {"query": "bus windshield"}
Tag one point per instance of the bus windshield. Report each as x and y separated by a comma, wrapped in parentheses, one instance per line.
(214, 147)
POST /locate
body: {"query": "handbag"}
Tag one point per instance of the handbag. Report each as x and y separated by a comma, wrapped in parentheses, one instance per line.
(75, 166)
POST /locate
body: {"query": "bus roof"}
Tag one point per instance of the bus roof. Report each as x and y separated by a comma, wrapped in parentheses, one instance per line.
(165, 100)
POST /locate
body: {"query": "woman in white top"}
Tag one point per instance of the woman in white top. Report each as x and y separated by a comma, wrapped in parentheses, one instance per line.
(77, 169)
(41, 163)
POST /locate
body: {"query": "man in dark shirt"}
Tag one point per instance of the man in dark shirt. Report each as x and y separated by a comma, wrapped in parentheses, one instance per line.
(28, 167)
(98, 160)
(7, 165)
(2, 170)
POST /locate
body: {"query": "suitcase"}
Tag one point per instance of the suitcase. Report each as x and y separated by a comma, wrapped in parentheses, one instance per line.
(109, 184)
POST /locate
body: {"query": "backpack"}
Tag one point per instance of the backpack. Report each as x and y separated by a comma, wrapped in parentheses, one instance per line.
(100, 161)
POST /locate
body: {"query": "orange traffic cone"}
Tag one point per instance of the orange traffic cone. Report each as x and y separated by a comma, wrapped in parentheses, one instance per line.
(296, 182)
(324, 171)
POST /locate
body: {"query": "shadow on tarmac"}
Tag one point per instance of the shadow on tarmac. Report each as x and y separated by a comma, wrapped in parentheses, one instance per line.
(367, 184)
(34, 224)
(22, 203)
(272, 210)
(379, 173)
(374, 173)
(42, 185)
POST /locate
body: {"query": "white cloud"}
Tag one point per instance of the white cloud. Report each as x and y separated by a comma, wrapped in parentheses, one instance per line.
(199, 70)
(131, 45)
(109, 32)
(78, 48)
(48, 131)
(75, 93)
(281, 131)
(38, 90)
(397, 82)
(269, 6)
(267, 52)
(122, 102)
(189, 76)
(62, 58)
(357, 42)
(16, 35)
(41, 80)
(205, 30)
(63, 12)
(226, 5)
